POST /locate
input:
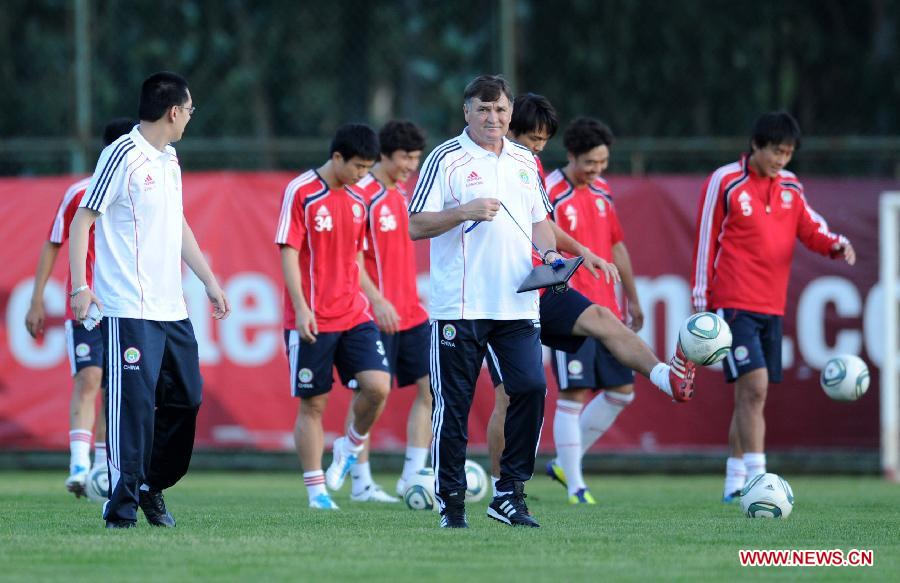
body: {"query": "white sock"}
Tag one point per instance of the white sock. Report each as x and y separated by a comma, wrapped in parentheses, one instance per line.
(599, 415)
(79, 449)
(415, 461)
(735, 475)
(567, 438)
(100, 454)
(494, 485)
(755, 464)
(659, 376)
(362, 477)
(315, 483)
(354, 442)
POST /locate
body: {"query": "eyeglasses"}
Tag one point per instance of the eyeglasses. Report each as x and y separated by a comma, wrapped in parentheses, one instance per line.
(190, 109)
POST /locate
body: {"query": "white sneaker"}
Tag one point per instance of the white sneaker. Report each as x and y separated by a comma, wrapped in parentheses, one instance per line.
(401, 487)
(75, 481)
(323, 502)
(341, 462)
(374, 493)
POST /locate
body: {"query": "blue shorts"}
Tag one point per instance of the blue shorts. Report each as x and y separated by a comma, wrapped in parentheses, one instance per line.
(351, 351)
(84, 348)
(592, 366)
(559, 312)
(756, 343)
(407, 353)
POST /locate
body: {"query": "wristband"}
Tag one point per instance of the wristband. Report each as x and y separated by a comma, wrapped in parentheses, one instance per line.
(78, 290)
(544, 256)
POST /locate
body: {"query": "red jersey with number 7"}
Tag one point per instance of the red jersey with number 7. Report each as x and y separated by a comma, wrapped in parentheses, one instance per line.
(390, 255)
(59, 233)
(327, 227)
(746, 228)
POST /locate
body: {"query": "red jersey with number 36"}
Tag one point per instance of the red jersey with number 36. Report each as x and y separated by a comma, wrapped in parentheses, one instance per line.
(327, 226)
(59, 233)
(588, 215)
(390, 256)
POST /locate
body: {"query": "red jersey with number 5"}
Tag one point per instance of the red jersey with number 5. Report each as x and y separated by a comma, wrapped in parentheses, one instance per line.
(587, 214)
(59, 233)
(390, 256)
(327, 227)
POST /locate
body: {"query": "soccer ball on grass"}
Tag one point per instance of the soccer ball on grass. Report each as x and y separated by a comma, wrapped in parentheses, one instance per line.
(767, 496)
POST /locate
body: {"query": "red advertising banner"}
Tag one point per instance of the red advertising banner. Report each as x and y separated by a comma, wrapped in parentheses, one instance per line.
(832, 309)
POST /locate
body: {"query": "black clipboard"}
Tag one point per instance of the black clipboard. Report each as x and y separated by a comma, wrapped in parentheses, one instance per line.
(549, 275)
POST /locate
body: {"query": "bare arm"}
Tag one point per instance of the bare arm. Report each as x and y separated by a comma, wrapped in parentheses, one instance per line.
(79, 234)
(385, 314)
(543, 237)
(623, 263)
(193, 256)
(425, 225)
(34, 319)
(305, 319)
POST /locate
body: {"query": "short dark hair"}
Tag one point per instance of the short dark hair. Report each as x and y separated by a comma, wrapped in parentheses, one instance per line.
(533, 112)
(355, 139)
(775, 127)
(400, 134)
(487, 88)
(584, 134)
(159, 92)
(117, 128)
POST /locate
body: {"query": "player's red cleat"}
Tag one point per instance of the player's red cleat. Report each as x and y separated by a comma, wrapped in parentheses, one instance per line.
(681, 376)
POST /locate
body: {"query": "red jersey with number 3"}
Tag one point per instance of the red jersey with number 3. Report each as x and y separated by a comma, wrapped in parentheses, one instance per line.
(327, 227)
(587, 214)
(390, 256)
(747, 226)
(59, 233)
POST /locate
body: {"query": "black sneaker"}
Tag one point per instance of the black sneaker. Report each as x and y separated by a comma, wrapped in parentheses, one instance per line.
(120, 524)
(511, 509)
(454, 513)
(154, 508)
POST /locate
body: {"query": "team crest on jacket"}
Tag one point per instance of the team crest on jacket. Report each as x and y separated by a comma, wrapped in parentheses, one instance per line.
(601, 207)
(523, 176)
(787, 199)
(357, 211)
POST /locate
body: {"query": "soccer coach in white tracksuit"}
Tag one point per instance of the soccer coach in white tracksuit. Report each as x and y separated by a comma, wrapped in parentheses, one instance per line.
(480, 199)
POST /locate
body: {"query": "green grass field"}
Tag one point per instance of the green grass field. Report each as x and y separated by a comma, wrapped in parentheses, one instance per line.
(256, 526)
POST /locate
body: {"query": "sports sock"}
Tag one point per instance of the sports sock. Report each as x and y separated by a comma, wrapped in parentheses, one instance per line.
(735, 475)
(354, 442)
(755, 464)
(659, 376)
(494, 480)
(567, 438)
(362, 477)
(599, 415)
(414, 461)
(79, 449)
(100, 454)
(315, 483)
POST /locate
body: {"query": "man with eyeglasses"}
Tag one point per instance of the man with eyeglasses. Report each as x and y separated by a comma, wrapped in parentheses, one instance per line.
(152, 367)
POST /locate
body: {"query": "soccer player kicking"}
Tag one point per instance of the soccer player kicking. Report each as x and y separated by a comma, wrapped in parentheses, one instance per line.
(321, 233)
(152, 365)
(750, 214)
(593, 349)
(84, 347)
(389, 281)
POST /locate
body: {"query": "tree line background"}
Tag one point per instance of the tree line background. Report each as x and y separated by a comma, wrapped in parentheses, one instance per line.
(679, 82)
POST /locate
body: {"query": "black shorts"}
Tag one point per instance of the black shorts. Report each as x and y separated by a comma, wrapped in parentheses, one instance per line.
(756, 343)
(592, 366)
(85, 348)
(351, 351)
(559, 312)
(407, 353)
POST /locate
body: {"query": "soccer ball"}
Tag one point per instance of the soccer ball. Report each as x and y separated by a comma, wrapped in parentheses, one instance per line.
(419, 493)
(476, 482)
(96, 486)
(705, 338)
(845, 378)
(767, 496)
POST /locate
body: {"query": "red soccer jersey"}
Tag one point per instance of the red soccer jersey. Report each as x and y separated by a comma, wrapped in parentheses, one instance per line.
(59, 233)
(746, 228)
(327, 227)
(587, 214)
(540, 169)
(390, 257)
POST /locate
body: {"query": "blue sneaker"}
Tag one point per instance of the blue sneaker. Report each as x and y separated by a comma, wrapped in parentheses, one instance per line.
(341, 462)
(733, 497)
(323, 502)
(556, 473)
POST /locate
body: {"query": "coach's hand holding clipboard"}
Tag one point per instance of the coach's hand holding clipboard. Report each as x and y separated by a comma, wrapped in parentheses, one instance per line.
(552, 273)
